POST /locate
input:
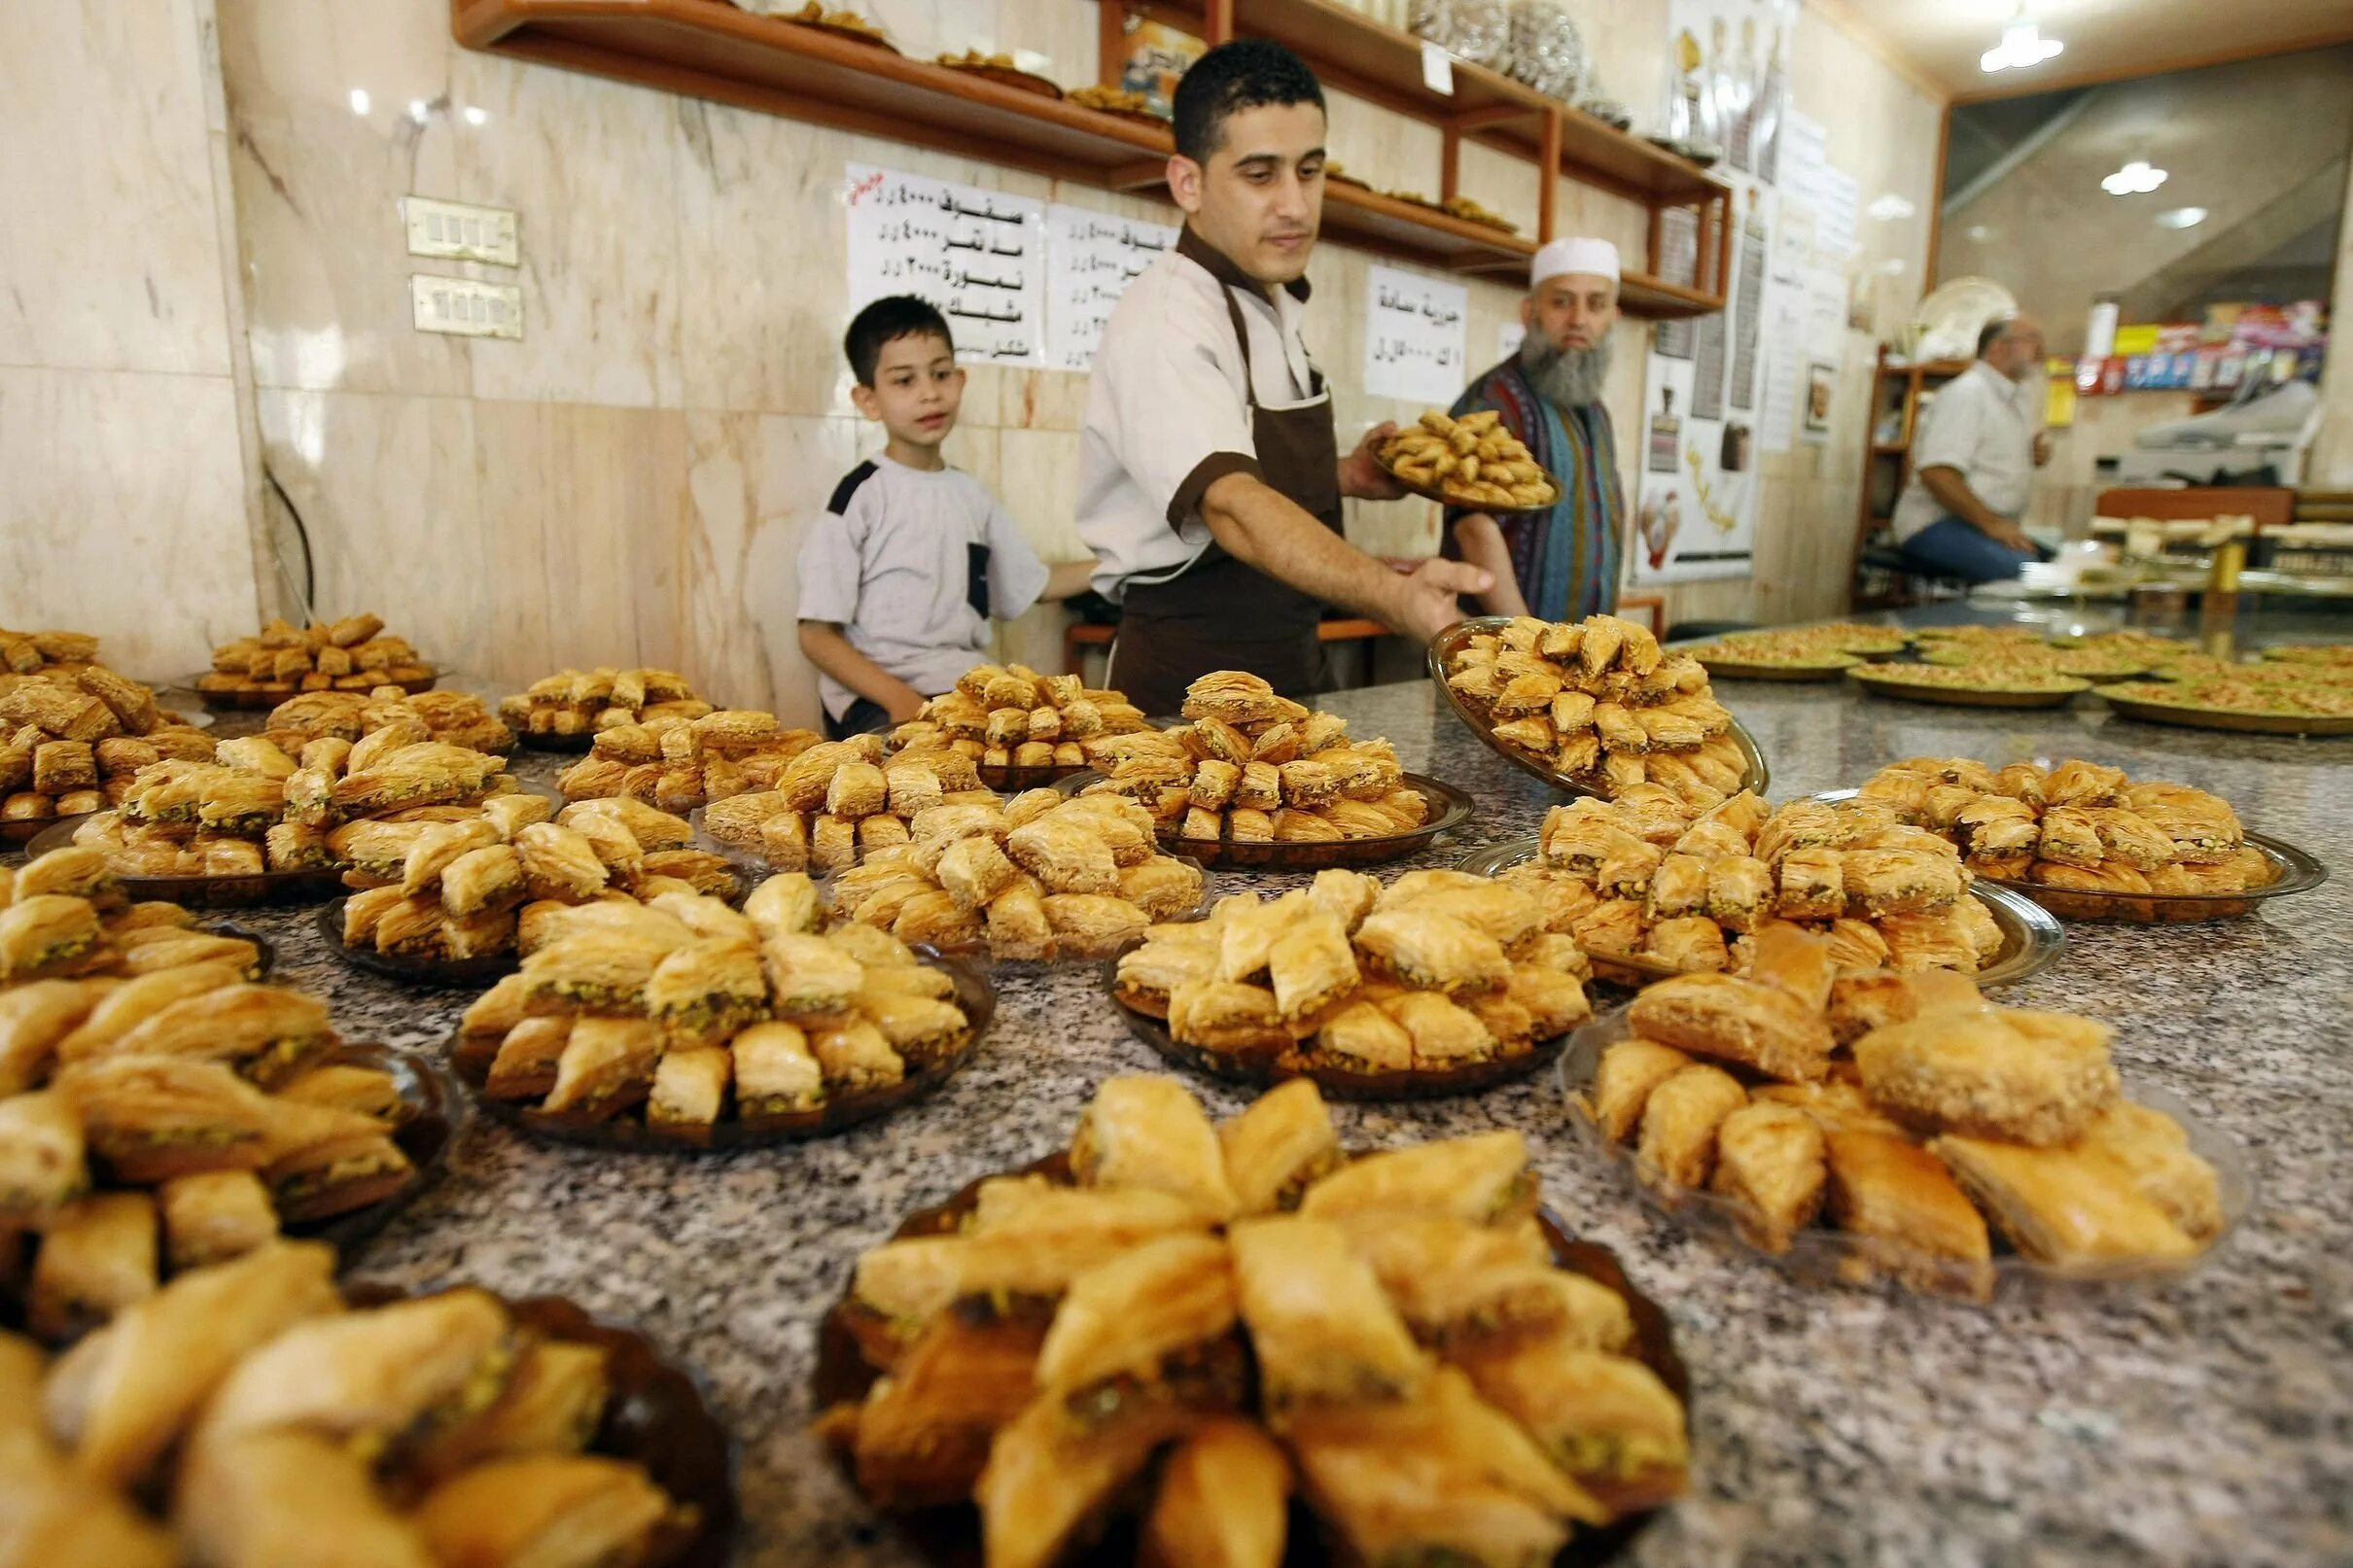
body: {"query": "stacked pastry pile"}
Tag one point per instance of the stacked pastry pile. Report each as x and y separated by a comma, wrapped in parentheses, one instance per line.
(351, 654)
(252, 808)
(1437, 971)
(679, 763)
(1891, 1101)
(453, 718)
(280, 1425)
(840, 799)
(1648, 878)
(1472, 460)
(64, 914)
(2078, 827)
(1011, 716)
(1256, 768)
(691, 1009)
(184, 1102)
(46, 652)
(579, 702)
(71, 742)
(475, 882)
(1596, 702)
(1400, 1350)
(1037, 877)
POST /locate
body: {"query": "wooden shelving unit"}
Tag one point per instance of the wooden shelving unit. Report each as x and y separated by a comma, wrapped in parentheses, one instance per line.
(1896, 387)
(708, 48)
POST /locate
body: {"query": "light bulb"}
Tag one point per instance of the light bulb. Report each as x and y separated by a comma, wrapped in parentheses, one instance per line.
(2022, 45)
(2135, 179)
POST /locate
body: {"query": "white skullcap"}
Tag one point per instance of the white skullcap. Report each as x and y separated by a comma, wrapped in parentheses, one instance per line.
(1598, 256)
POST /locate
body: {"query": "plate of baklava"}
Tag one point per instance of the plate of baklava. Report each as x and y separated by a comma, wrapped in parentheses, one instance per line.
(565, 712)
(1970, 685)
(692, 754)
(1179, 1342)
(182, 1118)
(2088, 843)
(1881, 1128)
(838, 800)
(65, 917)
(1438, 984)
(1594, 707)
(669, 1027)
(1650, 888)
(73, 736)
(1020, 728)
(283, 659)
(458, 898)
(1247, 778)
(1037, 878)
(250, 1412)
(1808, 653)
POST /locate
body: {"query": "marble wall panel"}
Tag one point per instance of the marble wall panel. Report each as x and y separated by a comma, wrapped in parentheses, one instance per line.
(103, 108)
(123, 513)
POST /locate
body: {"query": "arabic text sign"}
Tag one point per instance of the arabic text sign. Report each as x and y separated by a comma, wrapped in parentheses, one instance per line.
(1415, 332)
(977, 255)
(1091, 258)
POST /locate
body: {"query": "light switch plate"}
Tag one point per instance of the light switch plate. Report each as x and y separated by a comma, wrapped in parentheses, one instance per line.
(464, 307)
(452, 230)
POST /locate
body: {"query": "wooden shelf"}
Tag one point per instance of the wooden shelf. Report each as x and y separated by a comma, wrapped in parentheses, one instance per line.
(1656, 299)
(1370, 59)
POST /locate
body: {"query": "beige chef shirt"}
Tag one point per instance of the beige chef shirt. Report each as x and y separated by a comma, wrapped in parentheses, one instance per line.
(1168, 412)
(1983, 424)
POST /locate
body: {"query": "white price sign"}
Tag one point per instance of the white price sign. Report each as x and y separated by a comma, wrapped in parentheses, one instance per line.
(1415, 336)
(979, 256)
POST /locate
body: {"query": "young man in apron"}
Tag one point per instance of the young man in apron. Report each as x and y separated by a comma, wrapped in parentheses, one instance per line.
(1209, 477)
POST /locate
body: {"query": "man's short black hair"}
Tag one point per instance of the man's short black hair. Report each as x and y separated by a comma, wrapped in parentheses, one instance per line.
(1248, 73)
(887, 321)
(1991, 333)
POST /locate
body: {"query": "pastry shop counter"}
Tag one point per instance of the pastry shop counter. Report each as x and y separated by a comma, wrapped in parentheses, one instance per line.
(2201, 1423)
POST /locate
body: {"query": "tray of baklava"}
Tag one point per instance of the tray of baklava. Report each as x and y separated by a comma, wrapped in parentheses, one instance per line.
(251, 1413)
(1186, 1342)
(678, 1027)
(1439, 983)
(1873, 1127)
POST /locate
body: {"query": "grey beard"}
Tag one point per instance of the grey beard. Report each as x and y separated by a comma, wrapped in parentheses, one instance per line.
(1566, 377)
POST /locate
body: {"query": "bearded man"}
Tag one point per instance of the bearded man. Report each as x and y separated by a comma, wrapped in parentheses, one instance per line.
(1560, 564)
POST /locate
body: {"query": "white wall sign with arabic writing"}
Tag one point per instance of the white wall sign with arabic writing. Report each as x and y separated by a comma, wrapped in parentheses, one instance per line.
(1415, 336)
(980, 256)
(1091, 258)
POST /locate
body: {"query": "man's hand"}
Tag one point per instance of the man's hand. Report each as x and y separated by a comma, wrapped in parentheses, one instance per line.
(2012, 536)
(1425, 596)
(1362, 474)
(904, 705)
(2041, 447)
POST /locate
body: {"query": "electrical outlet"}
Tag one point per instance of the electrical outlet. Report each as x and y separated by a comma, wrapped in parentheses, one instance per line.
(464, 307)
(452, 230)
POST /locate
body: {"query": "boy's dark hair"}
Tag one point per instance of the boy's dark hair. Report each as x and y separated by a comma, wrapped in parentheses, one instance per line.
(887, 321)
(1248, 73)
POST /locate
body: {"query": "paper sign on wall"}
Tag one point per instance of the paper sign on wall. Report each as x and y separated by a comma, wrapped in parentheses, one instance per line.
(979, 256)
(1091, 258)
(1415, 336)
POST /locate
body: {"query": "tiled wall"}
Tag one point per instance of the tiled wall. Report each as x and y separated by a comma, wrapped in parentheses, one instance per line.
(124, 499)
(632, 480)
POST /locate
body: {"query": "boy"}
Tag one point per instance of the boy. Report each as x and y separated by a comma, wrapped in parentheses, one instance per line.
(899, 577)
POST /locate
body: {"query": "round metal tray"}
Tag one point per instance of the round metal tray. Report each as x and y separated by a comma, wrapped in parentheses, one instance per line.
(208, 893)
(631, 1132)
(1966, 696)
(1822, 1256)
(2031, 940)
(1756, 777)
(2292, 871)
(1726, 669)
(2314, 725)
(951, 1535)
(1448, 809)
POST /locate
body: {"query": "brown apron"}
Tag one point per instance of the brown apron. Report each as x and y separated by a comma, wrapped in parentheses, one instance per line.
(1220, 614)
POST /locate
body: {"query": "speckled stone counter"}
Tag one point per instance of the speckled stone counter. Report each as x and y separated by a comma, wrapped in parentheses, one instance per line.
(2210, 1423)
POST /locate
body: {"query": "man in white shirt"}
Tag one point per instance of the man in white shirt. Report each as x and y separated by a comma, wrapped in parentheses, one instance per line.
(1973, 462)
(1209, 477)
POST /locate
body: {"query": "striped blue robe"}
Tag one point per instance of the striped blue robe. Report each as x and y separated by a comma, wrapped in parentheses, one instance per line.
(1567, 559)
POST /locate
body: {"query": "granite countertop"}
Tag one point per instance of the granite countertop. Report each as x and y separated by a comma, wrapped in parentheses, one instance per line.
(2208, 1422)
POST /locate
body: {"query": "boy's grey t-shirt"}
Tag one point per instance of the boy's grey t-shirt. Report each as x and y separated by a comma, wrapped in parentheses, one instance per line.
(911, 564)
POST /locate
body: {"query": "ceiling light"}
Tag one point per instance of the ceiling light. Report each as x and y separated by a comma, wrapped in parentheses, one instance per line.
(1890, 206)
(2022, 45)
(2135, 179)
(359, 100)
(419, 110)
(2182, 218)
(476, 114)
(1979, 233)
